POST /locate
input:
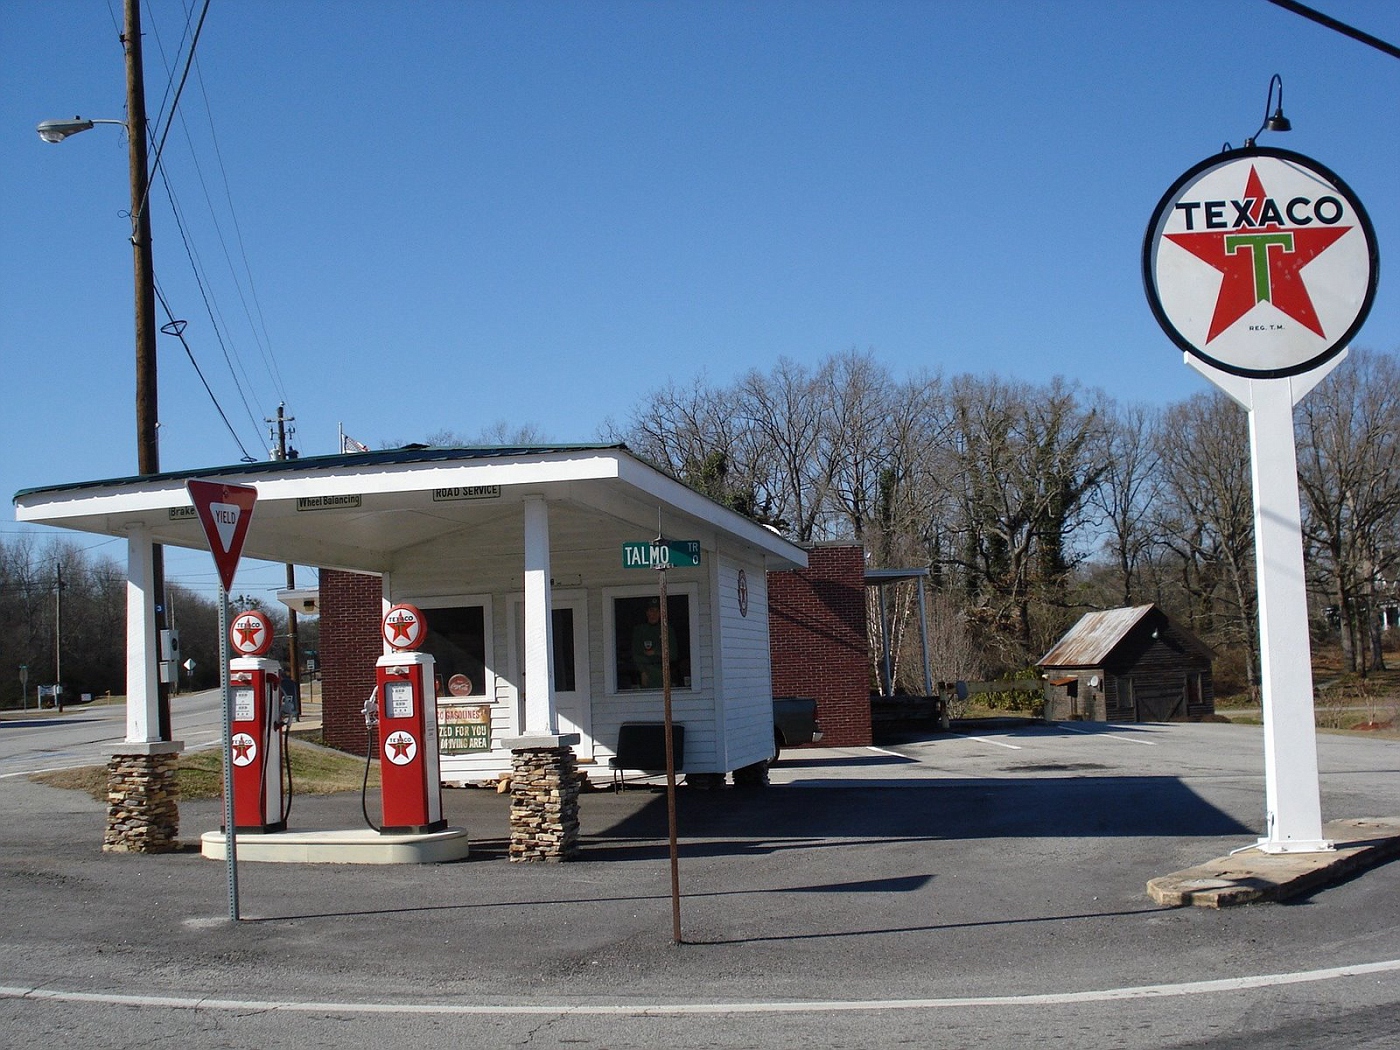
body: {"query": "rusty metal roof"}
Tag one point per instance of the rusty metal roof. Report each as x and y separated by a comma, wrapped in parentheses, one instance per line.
(1088, 643)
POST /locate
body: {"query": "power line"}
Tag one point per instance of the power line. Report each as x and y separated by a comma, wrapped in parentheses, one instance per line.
(1340, 27)
(177, 329)
(175, 103)
(209, 307)
(220, 327)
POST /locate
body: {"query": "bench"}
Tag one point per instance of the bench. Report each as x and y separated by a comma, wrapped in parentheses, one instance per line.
(642, 746)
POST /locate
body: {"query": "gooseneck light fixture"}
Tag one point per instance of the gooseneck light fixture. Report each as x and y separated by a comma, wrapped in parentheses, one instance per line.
(1275, 121)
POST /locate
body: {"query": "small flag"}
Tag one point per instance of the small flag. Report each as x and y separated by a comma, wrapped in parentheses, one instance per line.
(349, 444)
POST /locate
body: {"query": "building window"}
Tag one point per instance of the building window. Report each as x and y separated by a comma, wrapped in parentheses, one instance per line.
(1194, 696)
(456, 641)
(636, 623)
(565, 668)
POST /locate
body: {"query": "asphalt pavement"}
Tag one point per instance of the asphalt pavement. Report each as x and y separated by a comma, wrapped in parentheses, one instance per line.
(985, 887)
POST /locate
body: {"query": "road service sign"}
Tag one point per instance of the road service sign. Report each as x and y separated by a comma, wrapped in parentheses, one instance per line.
(1260, 262)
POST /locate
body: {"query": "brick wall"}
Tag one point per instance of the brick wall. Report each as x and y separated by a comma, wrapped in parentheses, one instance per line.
(350, 644)
(817, 637)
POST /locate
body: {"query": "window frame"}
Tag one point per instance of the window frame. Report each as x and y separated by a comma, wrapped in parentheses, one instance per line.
(688, 590)
(483, 601)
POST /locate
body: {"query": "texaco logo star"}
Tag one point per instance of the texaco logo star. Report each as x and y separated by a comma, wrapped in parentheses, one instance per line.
(1262, 254)
(400, 748)
(248, 632)
(245, 749)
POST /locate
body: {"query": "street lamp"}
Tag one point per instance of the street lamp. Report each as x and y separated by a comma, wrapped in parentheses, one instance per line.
(58, 130)
(147, 443)
(147, 448)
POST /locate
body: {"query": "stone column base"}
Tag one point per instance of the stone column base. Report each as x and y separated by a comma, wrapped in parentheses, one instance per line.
(544, 786)
(143, 813)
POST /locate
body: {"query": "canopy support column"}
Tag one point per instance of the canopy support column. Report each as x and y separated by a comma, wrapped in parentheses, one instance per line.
(143, 814)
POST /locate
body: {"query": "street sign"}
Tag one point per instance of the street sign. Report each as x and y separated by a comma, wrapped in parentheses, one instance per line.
(668, 554)
(225, 512)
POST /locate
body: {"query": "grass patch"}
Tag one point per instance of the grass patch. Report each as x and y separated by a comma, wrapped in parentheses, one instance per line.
(982, 710)
(315, 771)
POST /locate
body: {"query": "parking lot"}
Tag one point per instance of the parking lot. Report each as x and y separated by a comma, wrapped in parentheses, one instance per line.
(986, 885)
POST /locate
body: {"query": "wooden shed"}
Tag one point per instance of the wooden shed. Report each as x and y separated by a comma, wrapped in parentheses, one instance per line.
(1128, 665)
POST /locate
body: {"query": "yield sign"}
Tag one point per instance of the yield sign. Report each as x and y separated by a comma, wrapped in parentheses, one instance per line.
(225, 512)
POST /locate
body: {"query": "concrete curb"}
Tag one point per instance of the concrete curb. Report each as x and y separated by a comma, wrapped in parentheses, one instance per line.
(1252, 875)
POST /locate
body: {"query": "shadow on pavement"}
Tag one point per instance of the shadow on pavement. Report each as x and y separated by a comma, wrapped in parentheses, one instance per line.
(758, 821)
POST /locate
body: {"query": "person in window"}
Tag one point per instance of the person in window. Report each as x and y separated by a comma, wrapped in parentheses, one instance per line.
(646, 647)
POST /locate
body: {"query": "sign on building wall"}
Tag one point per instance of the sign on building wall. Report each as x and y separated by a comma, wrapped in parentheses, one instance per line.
(463, 728)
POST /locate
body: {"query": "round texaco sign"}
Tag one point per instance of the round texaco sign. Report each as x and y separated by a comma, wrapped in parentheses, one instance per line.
(400, 748)
(404, 627)
(250, 634)
(244, 748)
(1260, 262)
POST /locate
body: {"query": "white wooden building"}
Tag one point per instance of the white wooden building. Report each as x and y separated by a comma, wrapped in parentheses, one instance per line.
(485, 540)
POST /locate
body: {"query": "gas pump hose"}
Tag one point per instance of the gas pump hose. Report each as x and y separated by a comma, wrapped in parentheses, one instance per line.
(371, 744)
(286, 729)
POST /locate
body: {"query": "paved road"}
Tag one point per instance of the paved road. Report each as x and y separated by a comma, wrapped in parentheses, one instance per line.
(85, 734)
(982, 889)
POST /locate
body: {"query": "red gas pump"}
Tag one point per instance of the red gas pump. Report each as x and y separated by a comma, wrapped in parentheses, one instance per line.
(411, 785)
(256, 727)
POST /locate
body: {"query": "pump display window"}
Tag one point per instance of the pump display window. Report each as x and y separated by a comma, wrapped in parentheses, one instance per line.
(637, 636)
(456, 639)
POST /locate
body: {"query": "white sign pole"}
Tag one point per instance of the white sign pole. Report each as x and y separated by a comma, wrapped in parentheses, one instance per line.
(1293, 807)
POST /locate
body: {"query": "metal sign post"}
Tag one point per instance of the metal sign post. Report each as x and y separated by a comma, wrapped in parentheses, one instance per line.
(230, 839)
(662, 554)
(1292, 799)
(670, 756)
(225, 512)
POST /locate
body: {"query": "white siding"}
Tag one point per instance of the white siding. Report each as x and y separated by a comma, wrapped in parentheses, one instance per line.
(738, 691)
(748, 670)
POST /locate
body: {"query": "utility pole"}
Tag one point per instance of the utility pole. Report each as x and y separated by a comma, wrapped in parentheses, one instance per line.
(147, 401)
(58, 636)
(281, 452)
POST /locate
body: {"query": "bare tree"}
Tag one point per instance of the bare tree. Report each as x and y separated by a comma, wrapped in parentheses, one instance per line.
(1205, 517)
(855, 439)
(500, 433)
(1127, 491)
(1349, 474)
(788, 416)
(1022, 463)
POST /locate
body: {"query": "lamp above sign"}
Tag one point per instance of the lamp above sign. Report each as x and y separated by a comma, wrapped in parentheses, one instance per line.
(1260, 262)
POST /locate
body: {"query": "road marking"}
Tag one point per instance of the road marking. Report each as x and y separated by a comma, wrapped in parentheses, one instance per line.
(988, 740)
(1115, 736)
(883, 751)
(1104, 995)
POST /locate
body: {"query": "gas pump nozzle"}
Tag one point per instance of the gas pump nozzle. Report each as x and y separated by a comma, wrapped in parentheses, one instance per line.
(371, 708)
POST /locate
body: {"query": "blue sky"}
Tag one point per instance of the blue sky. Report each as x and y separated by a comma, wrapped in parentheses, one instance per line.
(419, 216)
